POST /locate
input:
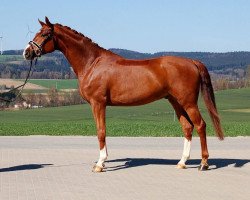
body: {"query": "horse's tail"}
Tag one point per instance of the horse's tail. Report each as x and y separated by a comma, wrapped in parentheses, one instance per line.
(209, 99)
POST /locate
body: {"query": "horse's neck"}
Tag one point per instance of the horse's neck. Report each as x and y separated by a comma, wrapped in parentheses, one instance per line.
(80, 53)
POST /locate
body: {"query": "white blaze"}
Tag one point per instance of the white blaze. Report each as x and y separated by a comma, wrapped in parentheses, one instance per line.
(25, 50)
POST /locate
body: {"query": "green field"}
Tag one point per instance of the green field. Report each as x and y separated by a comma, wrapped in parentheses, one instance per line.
(56, 83)
(155, 119)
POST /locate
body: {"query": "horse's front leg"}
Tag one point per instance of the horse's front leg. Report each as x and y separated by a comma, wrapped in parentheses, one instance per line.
(98, 110)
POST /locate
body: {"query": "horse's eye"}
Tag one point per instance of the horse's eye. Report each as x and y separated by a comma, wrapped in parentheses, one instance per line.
(43, 35)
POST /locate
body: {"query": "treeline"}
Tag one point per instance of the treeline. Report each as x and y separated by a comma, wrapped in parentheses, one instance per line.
(50, 66)
(213, 61)
(51, 98)
(225, 84)
(55, 65)
(11, 73)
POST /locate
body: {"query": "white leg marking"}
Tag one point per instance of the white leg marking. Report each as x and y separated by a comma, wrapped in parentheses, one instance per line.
(25, 50)
(186, 152)
(103, 157)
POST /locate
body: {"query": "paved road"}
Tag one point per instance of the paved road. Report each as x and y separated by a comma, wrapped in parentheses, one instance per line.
(45, 167)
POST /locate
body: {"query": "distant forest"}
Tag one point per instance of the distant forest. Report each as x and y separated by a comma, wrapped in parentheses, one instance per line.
(55, 66)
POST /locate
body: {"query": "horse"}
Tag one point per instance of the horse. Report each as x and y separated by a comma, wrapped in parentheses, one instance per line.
(107, 79)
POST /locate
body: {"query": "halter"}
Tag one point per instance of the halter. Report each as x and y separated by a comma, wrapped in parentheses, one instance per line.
(40, 47)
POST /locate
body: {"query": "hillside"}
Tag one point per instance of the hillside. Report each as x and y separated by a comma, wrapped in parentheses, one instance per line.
(55, 66)
(52, 66)
(214, 61)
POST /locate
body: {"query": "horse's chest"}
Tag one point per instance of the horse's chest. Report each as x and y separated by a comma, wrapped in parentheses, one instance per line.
(89, 89)
(85, 89)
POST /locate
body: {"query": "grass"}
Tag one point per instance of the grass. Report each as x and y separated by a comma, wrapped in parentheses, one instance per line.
(155, 119)
(56, 83)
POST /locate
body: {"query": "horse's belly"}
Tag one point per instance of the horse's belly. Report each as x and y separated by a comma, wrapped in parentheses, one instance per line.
(136, 96)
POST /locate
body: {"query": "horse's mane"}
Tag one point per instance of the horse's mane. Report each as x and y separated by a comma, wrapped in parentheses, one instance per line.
(81, 35)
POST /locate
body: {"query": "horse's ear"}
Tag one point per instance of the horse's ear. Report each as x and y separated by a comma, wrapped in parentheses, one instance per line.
(48, 22)
(42, 23)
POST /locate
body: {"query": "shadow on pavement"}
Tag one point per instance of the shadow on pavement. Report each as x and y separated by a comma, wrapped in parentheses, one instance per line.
(24, 167)
(138, 162)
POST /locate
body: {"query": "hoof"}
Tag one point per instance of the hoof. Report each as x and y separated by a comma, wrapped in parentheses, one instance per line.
(97, 169)
(181, 166)
(203, 167)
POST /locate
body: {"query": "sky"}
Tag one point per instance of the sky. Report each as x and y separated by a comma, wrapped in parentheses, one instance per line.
(147, 26)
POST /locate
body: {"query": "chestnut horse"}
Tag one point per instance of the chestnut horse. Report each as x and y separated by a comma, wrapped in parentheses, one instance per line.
(107, 79)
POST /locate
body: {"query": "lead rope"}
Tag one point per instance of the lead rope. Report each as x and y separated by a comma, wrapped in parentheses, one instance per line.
(20, 86)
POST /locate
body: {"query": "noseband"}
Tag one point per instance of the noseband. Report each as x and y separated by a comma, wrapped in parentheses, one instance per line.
(40, 46)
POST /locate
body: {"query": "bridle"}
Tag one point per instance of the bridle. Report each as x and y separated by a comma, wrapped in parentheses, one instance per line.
(38, 54)
(40, 46)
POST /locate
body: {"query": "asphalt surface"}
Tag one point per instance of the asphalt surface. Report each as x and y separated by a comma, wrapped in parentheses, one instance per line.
(46, 167)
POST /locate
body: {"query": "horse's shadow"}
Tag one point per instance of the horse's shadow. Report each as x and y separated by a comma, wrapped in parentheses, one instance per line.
(139, 162)
(24, 167)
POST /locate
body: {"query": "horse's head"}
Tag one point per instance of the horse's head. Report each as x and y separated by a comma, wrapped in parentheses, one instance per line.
(42, 43)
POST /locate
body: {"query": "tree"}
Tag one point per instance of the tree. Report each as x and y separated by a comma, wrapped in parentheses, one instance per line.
(248, 72)
(53, 97)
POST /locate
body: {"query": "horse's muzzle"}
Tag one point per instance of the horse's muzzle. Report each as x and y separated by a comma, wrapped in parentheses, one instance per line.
(29, 54)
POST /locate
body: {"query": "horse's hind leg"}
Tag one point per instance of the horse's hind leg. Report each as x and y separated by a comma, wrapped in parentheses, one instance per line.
(200, 125)
(187, 128)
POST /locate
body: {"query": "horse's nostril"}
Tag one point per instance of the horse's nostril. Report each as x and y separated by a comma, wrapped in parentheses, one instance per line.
(26, 54)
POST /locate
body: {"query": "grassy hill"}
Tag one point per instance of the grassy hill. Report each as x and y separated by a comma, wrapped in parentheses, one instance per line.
(155, 119)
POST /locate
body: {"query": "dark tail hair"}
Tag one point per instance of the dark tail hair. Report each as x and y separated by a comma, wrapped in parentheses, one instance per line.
(208, 96)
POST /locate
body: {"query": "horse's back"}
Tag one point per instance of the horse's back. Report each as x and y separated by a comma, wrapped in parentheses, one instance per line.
(135, 82)
(163, 69)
